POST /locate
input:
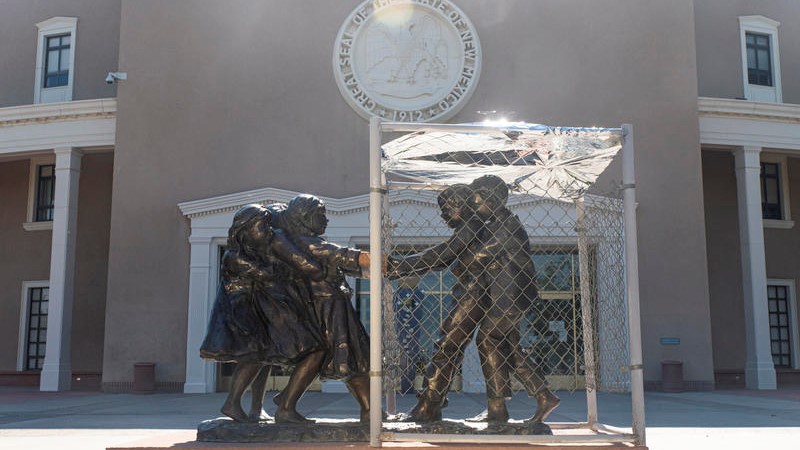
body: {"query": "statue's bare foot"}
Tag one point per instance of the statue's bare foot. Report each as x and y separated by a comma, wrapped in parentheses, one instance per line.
(546, 402)
(235, 412)
(259, 416)
(424, 411)
(290, 416)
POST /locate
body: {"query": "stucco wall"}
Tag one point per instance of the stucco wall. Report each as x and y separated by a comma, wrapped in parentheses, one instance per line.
(226, 97)
(96, 48)
(719, 55)
(724, 260)
(30, 253)
(91, 269)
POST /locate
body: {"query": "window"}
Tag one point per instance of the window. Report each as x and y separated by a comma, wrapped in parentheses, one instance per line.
(56, 69)
(33, 325)
(55, 60)
(37, 327)
(779, 328)
(45, 192)
(41, 194)
(775, 205)
(759, 60)
(784, 340)
(761, 68)
(771, 191)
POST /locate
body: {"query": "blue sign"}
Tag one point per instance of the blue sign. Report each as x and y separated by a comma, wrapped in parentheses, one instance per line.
(670, 341)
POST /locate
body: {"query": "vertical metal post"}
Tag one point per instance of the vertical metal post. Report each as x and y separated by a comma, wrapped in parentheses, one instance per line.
(376, 193)
(587, 318)
(632, 284)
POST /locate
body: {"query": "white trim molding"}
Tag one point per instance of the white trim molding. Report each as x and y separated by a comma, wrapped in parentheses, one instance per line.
(765, 26)
(739, 123)
(795, 333)
(85, 123)
(23, 319)
(53, 27)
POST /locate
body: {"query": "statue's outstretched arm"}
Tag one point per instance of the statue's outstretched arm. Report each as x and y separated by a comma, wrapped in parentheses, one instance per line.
(296, 258)
(437, 257)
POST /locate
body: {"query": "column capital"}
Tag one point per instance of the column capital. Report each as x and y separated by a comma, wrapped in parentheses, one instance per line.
(747, 157)
(68, 158)
(68, 149)
(200, 240)
(748, 149)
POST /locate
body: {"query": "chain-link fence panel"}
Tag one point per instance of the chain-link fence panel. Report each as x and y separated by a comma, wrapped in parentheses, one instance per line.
(504, 273)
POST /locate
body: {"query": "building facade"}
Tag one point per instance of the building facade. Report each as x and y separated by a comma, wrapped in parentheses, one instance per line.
(117, 196)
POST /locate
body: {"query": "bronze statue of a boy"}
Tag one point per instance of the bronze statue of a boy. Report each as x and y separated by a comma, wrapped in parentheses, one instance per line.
(489, 254)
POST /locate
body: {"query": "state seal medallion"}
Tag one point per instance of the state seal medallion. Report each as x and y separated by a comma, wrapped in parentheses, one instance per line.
(407, 60)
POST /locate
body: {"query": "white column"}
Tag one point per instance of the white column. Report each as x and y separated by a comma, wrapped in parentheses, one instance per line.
(57, 369)
(759, 368)
(200, 374)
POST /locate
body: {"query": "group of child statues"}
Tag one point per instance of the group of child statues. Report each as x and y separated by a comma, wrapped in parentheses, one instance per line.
(283, 301)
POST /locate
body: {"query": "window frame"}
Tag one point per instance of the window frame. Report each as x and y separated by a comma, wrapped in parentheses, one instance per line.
(31, 224)
(783, 174)
(55, 26)
(60, 49)
(38, 207)
(761, 25)
(756, 46)
(22, 342)
(794, 333)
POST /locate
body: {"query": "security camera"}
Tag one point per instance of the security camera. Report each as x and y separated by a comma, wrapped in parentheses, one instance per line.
(115, 76)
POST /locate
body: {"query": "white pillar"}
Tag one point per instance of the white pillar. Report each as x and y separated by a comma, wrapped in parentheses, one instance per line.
(376, 199)
(57, 369)
(759, 368)
(200, 374)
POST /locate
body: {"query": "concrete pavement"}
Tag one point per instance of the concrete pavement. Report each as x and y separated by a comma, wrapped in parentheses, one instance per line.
(724, 419)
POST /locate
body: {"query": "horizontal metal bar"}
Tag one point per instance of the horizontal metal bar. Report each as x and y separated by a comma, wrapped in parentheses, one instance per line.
(601, 427)
(411, 127)
(417, 186)
(464, 128)
(569, 425)
(506, 439)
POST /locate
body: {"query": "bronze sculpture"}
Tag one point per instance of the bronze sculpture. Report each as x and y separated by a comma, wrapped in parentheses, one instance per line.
(490, 256)
(346, 340)
(267, 311)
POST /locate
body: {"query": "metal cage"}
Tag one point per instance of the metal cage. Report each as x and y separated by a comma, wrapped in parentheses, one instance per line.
(584, 330)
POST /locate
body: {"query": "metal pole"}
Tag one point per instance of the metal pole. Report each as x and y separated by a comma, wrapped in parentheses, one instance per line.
(632, 283)
(430, 438)
(589, 356)
(376, 193)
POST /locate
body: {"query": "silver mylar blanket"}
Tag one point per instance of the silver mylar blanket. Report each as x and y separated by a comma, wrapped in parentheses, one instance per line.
(555, 162)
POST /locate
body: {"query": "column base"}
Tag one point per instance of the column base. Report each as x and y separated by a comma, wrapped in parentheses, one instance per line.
(55, 377)
(197, 388)
(760, 376)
